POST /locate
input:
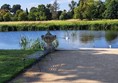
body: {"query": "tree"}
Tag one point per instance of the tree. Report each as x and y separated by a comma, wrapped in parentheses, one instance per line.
(111, 11)
(15, 8)
(1, 18)
(85, 9)
(22, 16)
(42, 12)
(6, 7)
(2, 13)
(48, 12)
(99, 9)
(63, 15)
(15, 18)
(7, 17)
(31, 16)
(33, 9)
(59, 13)
(72, 5)
(54, 10)
(27, 11)
(78, 11)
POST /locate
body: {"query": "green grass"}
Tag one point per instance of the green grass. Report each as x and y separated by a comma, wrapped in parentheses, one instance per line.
(11, 63)
(59, 25)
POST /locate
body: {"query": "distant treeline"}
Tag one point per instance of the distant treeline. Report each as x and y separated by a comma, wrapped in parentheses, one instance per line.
(83, 9)
(60, 25)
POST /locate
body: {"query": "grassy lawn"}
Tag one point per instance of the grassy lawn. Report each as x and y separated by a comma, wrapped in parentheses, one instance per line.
(11, 62)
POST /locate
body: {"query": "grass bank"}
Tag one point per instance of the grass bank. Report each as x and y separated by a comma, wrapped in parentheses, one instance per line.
(59, 25)
(11, 63)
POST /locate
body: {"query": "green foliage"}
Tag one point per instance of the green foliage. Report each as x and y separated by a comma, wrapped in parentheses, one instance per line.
(99, 10)
(31, 16)
(111, 11)
(7, 17)
(36, 45)
(63, 15)
(6, 7)
(15, 8)
(24, 43)
(1, 18)
(72, 5)
(22, 16)
(33, 9)
(27, 44)
(77, 13)
(85, 9)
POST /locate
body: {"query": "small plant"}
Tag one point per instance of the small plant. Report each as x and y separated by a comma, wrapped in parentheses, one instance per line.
(24, 42)
(55, 43)
(27, 44)
(37, 45)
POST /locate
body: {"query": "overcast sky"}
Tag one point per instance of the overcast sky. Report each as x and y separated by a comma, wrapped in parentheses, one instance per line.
(34, 3)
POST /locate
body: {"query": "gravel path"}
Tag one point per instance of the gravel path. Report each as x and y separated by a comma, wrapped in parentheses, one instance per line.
(83, 66)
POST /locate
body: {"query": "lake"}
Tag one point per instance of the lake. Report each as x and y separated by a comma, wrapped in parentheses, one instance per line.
(68, 40)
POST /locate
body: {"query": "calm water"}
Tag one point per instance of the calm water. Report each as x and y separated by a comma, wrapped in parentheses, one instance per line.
(67, 39)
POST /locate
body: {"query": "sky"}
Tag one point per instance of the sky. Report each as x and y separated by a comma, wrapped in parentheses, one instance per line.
(63, 4)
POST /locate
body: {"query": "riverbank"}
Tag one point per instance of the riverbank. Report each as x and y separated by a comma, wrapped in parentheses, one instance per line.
(83, 66)
(59, 25)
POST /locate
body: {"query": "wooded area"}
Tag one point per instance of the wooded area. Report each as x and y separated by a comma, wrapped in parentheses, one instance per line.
(83, 9)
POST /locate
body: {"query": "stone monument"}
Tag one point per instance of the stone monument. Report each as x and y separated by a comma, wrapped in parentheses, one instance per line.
(48, 39)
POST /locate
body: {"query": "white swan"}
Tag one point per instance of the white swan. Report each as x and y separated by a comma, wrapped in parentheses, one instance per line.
(109, 46)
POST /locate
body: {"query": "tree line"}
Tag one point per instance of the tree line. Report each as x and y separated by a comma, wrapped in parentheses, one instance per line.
(83, 9)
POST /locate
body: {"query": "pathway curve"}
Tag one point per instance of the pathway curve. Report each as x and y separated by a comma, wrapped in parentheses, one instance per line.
(83, 66)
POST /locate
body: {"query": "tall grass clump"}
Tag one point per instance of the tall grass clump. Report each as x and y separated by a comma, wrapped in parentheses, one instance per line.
(30, 44)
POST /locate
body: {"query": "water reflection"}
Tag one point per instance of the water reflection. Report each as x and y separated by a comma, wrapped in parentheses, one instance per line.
(110, 36)
(85, 38)
(74, 37)
(67, 39)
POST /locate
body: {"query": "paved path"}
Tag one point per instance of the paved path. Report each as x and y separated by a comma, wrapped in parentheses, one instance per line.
(84, 66)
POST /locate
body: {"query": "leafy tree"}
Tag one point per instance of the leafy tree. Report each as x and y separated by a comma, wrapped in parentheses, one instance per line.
(111, 11)
(85, 9)
(72, 5)
(48, 13)
(77, 13)
(89, 9)
(6, 7)
(27, 11)
(59, 13)
(1, 18)
(99, 9)
(54, 9)
(7, 17)
(22, 16)
(42, 16)
(15, 8)
(33, 9)
(2, 13)
(15, 18)
(31, 16)
(63, 15)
